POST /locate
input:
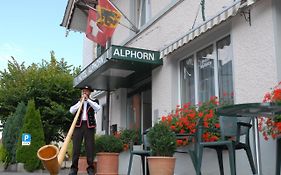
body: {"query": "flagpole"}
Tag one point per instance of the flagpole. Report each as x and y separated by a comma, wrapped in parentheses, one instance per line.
(127, 27)
(134, 27)
(90, 7)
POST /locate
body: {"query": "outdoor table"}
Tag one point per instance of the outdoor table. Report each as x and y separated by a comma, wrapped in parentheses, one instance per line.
(253, 110)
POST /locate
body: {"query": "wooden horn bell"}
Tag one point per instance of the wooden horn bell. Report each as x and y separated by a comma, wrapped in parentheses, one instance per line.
(51, 156)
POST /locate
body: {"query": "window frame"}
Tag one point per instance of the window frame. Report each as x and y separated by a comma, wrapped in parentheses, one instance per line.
(196, 73)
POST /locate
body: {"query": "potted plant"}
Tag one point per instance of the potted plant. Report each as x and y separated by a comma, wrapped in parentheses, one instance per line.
(183, 120)
(129, 137)
(108, 148)
(82, 162)
(163, 145)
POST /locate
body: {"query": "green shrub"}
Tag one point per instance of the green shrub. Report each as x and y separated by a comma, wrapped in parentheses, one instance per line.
(70, 149)
(3, 154)
(7, 141)
(162, 140)
(11, 132)
(108, 143)
(27, 154)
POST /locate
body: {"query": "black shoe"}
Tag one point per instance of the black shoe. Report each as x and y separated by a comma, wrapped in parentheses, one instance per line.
(73, 171)
(90, 171)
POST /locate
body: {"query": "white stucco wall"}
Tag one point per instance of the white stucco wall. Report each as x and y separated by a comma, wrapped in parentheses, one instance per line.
(175, 23)
(254, 65)
(117, 115)
(102, 101)
(121, 32)
(89, 52)
(117, 110)
(254, 55)
(158, 6)
(277, 34)
(161, 91)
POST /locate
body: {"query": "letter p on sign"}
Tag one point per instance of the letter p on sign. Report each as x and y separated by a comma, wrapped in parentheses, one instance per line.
(25, 139)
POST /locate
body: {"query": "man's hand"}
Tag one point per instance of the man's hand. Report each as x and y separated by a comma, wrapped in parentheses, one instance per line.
(85, 96)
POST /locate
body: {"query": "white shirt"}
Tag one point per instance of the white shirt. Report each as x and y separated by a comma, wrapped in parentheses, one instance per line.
(75, 107)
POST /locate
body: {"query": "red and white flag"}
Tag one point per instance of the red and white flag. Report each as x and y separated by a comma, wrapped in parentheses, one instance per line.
(95, 31)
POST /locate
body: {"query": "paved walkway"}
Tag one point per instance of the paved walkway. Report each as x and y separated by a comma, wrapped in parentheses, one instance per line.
(62, 172)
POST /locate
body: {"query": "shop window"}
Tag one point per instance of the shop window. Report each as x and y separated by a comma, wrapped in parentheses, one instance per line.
(208, 74)
(225, 75)
(206, 81)
(187, 80)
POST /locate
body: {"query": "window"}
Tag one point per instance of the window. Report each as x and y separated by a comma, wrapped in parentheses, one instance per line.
(187, 83)
(205, 63)
(144, 12)
(208, 74)
(225, 70)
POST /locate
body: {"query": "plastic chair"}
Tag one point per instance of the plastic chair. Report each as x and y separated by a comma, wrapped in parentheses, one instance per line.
(231, 129)
(278, 155)
(193, 150)
(143, 153)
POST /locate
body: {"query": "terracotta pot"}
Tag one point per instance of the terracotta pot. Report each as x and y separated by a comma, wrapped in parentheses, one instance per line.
(82, 165)
(107, 163)
(161, 165)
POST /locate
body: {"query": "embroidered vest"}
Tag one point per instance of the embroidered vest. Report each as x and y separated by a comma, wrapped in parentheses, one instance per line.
(90, 115)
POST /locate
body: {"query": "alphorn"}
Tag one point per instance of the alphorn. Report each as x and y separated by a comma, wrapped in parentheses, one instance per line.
(51, 156)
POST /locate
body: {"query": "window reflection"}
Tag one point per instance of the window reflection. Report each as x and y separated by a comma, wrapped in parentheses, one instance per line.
(225, 71)
(206, 84)
(187, 83)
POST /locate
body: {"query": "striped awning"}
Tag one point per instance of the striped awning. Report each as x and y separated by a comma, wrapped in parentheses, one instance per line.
(204, 27)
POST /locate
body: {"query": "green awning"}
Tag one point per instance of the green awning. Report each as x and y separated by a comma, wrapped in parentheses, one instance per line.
(118, 67)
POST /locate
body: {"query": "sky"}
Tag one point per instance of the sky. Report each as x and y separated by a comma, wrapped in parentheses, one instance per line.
(30, 29)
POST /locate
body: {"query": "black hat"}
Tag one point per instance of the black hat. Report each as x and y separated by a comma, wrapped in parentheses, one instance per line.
(87, 87)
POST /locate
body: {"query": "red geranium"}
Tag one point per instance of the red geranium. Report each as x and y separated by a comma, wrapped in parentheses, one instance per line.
(271, 126)
(184, 120)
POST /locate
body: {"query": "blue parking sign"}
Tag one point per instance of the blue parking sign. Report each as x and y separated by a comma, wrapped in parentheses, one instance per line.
(25, 139)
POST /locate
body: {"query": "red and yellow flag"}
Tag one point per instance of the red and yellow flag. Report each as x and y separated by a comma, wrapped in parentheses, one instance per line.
(109, 17)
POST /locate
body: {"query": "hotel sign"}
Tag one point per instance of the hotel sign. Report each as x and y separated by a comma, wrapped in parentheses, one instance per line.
(119, 53)
(136, 54)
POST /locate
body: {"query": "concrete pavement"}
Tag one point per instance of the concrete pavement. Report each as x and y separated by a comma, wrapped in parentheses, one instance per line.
(62, 172)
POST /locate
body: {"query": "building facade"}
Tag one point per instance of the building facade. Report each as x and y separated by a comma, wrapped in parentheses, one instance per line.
(224, 48)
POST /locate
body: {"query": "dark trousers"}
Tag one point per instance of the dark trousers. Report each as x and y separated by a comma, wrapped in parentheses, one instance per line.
(89, 140)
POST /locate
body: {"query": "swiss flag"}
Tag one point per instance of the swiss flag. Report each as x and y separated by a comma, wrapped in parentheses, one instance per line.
(94, 31)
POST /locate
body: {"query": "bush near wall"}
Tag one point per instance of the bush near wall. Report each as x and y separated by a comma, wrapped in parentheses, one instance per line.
(11, 133)
(3, 154)
(27, 154)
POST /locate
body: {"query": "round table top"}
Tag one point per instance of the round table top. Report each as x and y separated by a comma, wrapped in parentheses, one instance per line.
(250, 109)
